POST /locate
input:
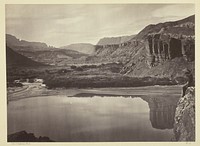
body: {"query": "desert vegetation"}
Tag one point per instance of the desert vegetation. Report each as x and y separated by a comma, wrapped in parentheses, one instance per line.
(85, 76)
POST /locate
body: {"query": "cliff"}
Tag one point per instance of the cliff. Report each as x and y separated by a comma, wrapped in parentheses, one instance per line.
(115, 40)
(162, 50)
(184, 125)
(185, 26)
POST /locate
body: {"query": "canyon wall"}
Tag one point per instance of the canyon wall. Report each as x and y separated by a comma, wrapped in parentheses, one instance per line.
(161, 47)
(119, 45)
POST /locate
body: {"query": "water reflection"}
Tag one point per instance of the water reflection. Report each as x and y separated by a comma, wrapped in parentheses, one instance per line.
(162, 109)
(162, 113)
(113, 118)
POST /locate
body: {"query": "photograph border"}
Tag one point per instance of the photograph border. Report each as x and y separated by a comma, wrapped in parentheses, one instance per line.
(3, 101)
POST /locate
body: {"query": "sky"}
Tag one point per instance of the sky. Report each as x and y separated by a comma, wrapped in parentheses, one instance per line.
(61, 25)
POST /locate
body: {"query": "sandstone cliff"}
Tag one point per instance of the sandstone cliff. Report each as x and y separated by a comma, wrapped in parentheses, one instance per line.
(184, 126)
(163, 50)
(115, 40)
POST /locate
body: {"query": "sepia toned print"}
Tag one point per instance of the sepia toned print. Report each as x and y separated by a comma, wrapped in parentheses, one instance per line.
(100, 72)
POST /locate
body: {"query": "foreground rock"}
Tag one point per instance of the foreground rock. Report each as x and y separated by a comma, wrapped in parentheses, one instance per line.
(184, 126)
(23, 136)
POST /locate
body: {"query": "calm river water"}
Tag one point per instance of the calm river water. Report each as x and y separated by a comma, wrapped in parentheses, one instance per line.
(96, 117)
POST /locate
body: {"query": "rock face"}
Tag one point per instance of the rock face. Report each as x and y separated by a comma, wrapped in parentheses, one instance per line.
(184, 126)
(23, 136)
(114, 40)
(165, 46)
(162, 50)
(183, 26)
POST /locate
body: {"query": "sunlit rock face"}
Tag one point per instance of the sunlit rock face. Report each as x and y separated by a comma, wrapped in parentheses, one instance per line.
(161, 47)
(184, 126)
(161, 113)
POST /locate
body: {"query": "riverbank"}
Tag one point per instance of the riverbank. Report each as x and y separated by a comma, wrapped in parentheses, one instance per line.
(35, 90)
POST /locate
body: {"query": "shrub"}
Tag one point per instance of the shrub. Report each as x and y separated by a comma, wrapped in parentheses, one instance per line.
(73, 67)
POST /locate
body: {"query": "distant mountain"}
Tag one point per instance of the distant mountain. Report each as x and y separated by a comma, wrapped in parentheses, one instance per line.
(40, 52)
(19, 45)
(80, 47)
(115, 40)
(54, 57)
(15, 59)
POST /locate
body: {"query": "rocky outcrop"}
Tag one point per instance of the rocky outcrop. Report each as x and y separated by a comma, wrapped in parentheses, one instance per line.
(165, 46)
(184, 27)
(115, 47)
(23, 136)
(115, 43)
(184, 126)
(166, 41)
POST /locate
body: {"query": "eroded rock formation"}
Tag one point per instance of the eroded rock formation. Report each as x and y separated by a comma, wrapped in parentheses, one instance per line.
(161, 47)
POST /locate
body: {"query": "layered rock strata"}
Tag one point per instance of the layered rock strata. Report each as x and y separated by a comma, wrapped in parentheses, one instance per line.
(161, 47)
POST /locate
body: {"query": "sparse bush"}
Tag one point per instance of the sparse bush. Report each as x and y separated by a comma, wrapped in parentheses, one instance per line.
(105, 81)
(73, 67)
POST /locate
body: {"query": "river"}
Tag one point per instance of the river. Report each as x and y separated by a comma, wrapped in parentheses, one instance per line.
(93, 115)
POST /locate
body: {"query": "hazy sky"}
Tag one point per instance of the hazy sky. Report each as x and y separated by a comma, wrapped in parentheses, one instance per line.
(60, 25)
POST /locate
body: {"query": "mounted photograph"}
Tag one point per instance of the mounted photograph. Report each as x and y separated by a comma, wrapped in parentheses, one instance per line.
(100, 72)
